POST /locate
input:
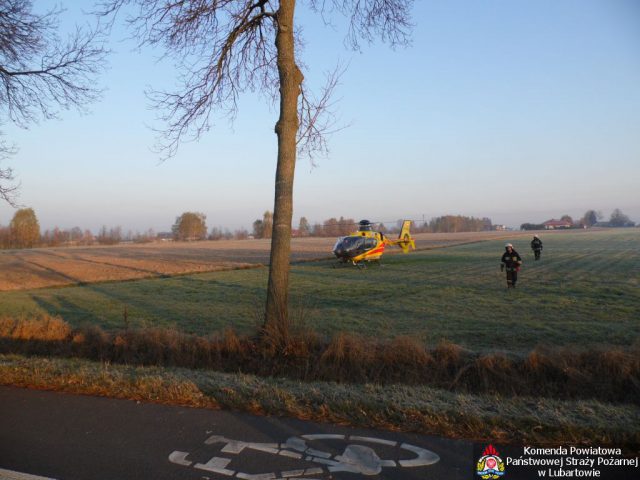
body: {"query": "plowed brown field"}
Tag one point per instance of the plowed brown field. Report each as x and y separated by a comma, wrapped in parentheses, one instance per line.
(49, 267)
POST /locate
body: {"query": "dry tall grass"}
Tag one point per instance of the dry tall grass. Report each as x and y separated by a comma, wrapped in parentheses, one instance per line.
(609, 375)
(42, 328)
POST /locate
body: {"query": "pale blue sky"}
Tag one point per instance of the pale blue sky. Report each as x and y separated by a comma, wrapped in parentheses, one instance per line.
(516, 110)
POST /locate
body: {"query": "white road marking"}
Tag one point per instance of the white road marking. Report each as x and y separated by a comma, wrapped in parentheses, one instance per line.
(234, 446)
(264, 448)
(11, 475)
(313, 471)
(180, 458)
(317, 453)
(381, 441)
(356, 458)
(323, 436)
(425, 457)
(295, 443)
(292, 473)
(321, 460)
(287, 453)
(259, 476)
(216, 465)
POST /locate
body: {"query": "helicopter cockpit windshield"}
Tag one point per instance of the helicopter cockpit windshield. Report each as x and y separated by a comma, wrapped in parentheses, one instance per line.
(353, 246)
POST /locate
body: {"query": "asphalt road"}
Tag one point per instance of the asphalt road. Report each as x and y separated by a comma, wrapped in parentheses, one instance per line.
(70, 437)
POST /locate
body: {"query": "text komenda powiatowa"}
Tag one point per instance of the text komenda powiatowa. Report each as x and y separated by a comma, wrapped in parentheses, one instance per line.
(571, 462)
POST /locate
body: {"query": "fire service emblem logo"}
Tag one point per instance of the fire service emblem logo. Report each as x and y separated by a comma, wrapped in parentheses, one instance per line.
(490, 466)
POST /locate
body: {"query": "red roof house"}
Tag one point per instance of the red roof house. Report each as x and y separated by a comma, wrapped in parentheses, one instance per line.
(553, 224)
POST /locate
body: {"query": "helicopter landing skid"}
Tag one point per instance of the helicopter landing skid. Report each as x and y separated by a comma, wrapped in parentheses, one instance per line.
(361, 264)
(342, 262)
(364, 263)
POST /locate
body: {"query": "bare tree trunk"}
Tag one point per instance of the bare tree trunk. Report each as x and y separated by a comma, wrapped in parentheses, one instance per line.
(276, 312)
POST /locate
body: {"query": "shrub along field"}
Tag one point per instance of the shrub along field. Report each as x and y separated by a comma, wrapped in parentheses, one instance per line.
(584, 292)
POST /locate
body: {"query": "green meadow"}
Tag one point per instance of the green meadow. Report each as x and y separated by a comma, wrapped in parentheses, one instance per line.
(584, 292)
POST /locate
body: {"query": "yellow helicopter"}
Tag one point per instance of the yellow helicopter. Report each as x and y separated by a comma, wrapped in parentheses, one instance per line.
(367, 245)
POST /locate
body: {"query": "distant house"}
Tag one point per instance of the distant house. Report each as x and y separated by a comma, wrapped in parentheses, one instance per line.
(165, 236)
(555, 224)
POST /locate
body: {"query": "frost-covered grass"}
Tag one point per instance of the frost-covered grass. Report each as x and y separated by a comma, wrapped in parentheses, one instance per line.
(529, 421)
(584, 292)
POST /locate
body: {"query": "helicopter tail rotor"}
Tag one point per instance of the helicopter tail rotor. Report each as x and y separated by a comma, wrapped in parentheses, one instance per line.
(405, 241)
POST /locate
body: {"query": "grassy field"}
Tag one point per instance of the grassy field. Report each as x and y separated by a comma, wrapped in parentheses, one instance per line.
(63, 266)
(584, 292)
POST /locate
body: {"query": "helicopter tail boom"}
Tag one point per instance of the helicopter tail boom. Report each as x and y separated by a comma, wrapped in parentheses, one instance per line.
(405, 241)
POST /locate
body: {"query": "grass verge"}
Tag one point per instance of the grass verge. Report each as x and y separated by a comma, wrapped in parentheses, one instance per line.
(611, 375)
(523, 420)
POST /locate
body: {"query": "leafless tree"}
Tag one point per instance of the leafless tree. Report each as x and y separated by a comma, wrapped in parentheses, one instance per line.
(226, 47)
(8, 189)
(40, 73)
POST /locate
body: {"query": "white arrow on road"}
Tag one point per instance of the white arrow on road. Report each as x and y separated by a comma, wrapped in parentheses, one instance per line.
(11, 475)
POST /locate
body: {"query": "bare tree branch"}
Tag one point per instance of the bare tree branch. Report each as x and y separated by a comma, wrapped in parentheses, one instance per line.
(318, 119)
(224, 48)
(388, 19)
(8, 189)
(40, 73)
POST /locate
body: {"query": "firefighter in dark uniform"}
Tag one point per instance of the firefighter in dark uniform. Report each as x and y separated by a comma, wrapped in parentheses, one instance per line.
(536, 246)
(511, 261)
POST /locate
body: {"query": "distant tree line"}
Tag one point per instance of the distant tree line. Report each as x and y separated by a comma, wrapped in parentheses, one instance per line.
(263, 228)
(455, 224)
(218, 233)
(619, 219)
(332, 227)
(591, 218)
(24, 232)
(56, 237)
(24, 229)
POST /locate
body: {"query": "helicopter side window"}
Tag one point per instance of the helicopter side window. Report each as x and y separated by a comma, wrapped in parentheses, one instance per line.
(351, 244)
(370, 243)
